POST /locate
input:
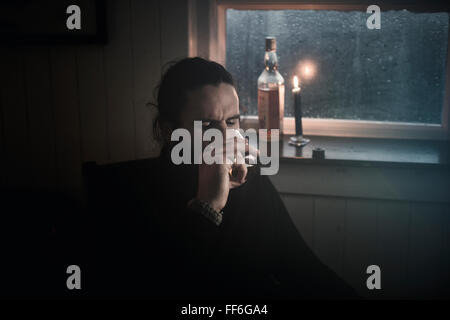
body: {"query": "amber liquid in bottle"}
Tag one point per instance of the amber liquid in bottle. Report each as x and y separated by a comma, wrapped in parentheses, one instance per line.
(271, 92)
(271, 108)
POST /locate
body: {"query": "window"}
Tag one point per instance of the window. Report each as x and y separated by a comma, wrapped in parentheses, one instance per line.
(396, 73)
(389, 82)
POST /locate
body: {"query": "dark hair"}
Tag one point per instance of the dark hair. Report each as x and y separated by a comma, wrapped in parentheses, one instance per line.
(180, 78)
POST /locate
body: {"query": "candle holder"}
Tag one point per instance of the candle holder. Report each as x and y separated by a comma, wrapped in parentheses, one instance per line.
(298, 140)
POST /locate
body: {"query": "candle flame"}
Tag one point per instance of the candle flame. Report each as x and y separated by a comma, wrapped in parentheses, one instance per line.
(295, 82)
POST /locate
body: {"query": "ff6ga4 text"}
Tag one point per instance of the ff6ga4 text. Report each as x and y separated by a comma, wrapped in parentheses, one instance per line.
(247, 309)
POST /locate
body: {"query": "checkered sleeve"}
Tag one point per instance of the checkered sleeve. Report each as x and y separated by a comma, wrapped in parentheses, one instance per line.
(205, 209)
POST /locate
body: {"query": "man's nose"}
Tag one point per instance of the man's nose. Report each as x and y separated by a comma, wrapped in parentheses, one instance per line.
(222, 126)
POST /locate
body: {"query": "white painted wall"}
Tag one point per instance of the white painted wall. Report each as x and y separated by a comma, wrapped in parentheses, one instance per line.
(352, 218)
(62, 105)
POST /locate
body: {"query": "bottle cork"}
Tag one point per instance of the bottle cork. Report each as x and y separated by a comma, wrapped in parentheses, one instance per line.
(271, 44)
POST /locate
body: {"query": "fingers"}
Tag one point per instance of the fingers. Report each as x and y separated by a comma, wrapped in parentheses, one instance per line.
(235, 146)
(238, 175)
(232, 154)
(252, 153)
(235, 149)
(229, 153)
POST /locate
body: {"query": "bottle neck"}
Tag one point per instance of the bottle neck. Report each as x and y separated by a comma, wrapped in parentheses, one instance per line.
(271, 60)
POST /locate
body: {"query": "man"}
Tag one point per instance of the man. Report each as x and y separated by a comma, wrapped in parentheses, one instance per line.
(184, 231)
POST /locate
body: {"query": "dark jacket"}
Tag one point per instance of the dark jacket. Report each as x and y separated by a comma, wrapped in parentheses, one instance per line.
(143, 241)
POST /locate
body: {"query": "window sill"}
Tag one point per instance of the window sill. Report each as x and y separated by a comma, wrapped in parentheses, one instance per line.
(369, 152)
(376, 169)
(359, 128)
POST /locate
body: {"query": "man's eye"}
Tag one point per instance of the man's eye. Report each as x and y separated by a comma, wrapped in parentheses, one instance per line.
(231, 122)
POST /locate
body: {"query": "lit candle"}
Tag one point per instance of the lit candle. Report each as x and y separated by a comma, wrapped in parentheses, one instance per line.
(298, 139)
(297, 108)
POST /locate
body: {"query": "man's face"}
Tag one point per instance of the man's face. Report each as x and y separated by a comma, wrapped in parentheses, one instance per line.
(216, 106)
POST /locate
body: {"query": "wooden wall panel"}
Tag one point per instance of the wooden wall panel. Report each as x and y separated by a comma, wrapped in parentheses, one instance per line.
(67, 119)
(360, 248)
(174, 30)
(427, 249)
(17, 170)
(146, 49)
(301, 210)
(329, 231)
(2, 143)
(392, 243)
(119, 85)
(446, 254)
(351, 181)
(107, 86)
(92, 95)
(410, 242)
(41, 118)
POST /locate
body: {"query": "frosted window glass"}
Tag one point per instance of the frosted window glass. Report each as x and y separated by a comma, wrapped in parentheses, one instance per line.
(396, 73)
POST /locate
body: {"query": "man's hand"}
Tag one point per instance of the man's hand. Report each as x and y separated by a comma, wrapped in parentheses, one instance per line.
(214, 184)
(216, 180)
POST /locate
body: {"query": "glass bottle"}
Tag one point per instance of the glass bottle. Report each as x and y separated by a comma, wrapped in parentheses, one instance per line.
(271, 91)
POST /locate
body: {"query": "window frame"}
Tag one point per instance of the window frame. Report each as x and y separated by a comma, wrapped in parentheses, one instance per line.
(216, 50)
